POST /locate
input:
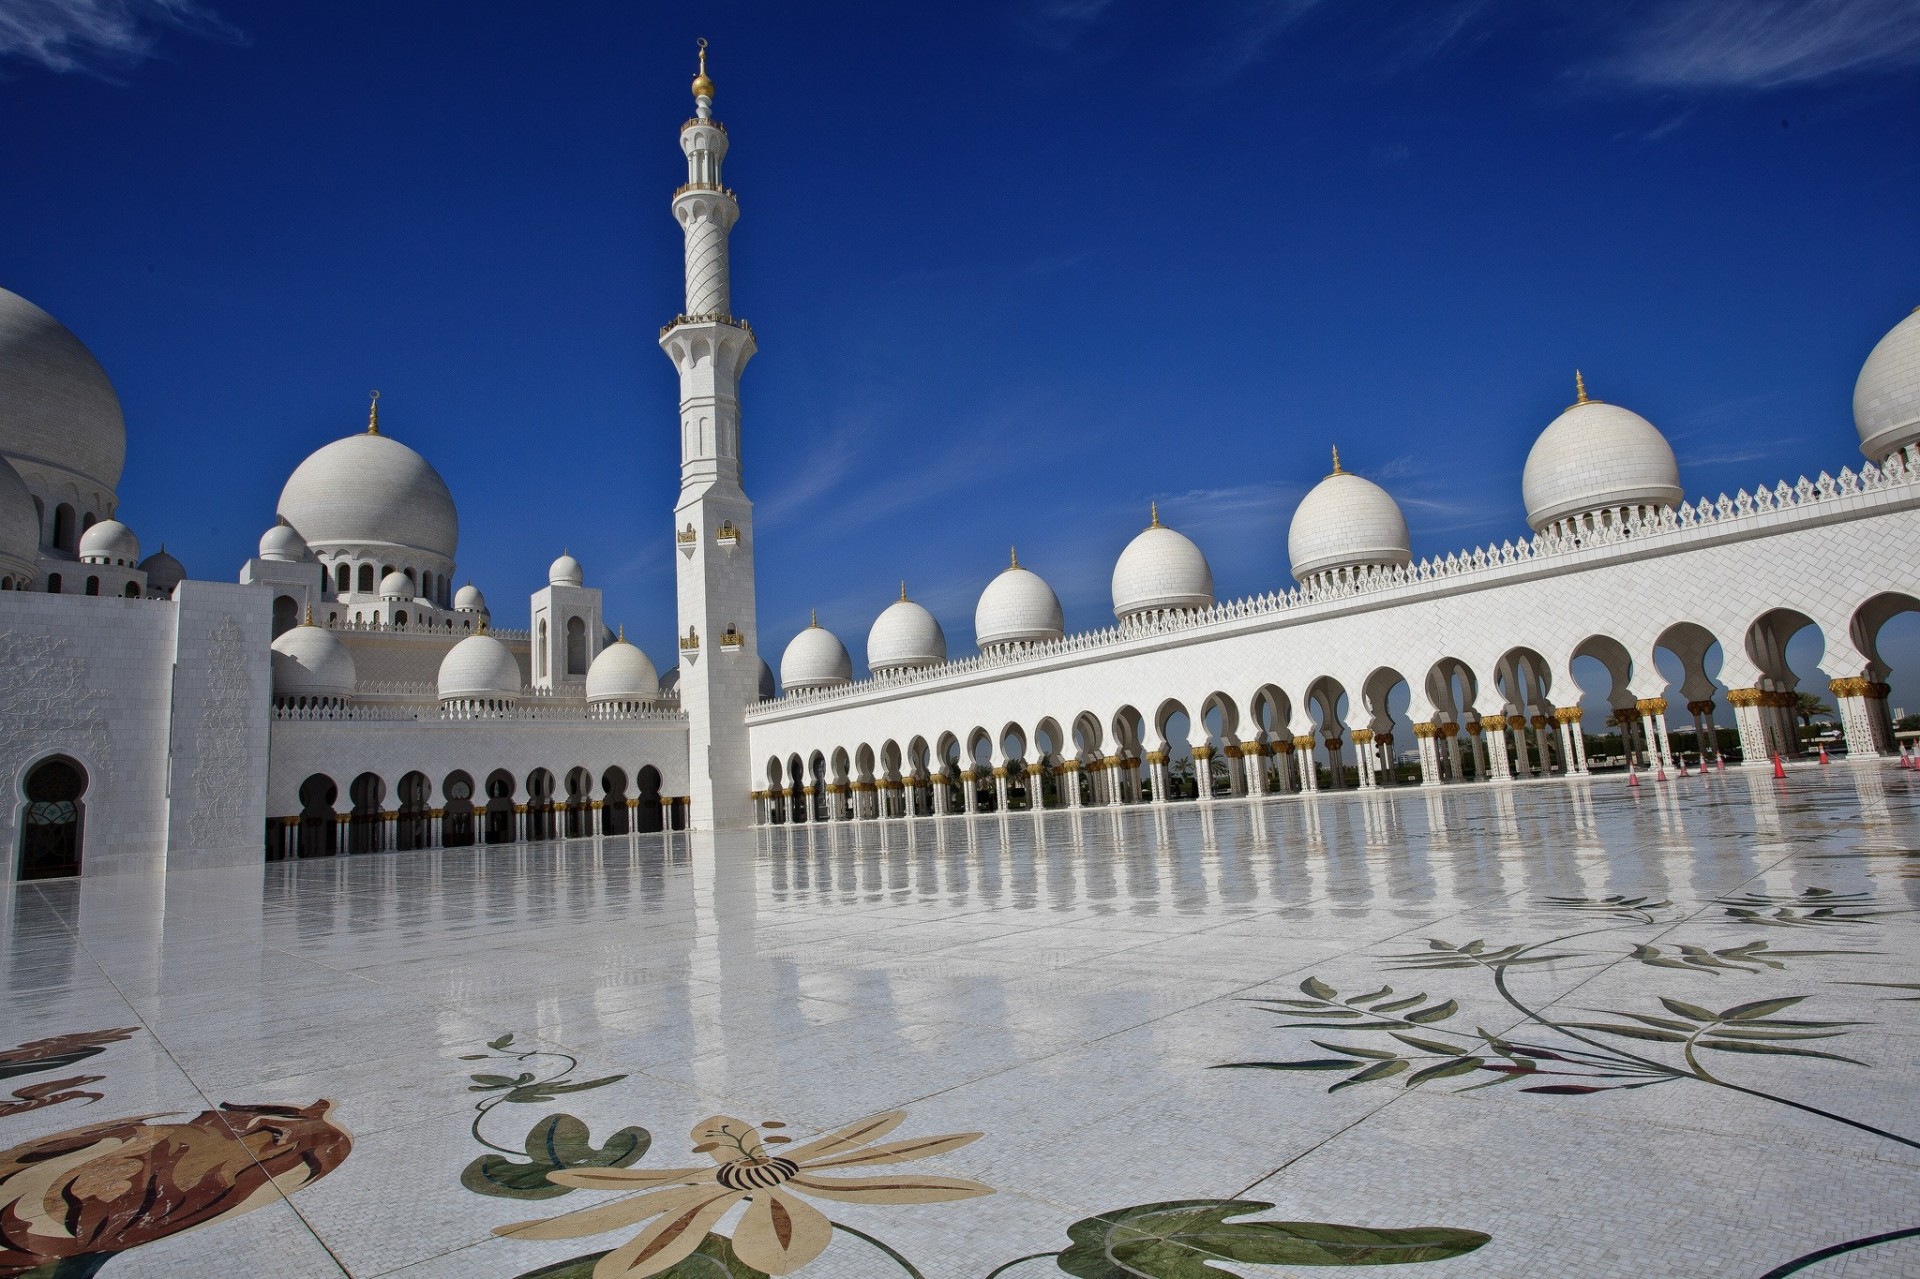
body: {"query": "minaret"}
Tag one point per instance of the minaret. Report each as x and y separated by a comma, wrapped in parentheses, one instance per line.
(713, 521)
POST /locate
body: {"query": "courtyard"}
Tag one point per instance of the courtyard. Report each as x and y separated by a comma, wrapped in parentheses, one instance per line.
(1550, 1029)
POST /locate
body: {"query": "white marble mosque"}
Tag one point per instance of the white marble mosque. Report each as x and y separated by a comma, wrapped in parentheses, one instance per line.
(351, 692)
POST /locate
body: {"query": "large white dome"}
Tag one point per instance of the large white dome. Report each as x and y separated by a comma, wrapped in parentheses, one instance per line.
(368, 490)
(1346, 521)
(815, 659)
(19, 529)
(1018, 607)
(1160, 569)
(904, 636)
(479, 666)
(59, 417)
(1886, 399)
(310, 661)
(622, 673)
(1598, 457)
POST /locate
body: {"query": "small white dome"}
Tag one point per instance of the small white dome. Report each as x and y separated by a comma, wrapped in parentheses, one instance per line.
(1886, 399)
(767, 687)
(468, 599)
(58, 410)
(479, 666)
(396, 586)
(310, 661)
(163, 571)
(815, 659)
(1346, 521)
(19, 526)
(371, 490)
(1161, 569)
(1017, 607)
(622, 673)
(904, 636)
(565, 571)
(110, 542)
(283, 543)
(1598, 457)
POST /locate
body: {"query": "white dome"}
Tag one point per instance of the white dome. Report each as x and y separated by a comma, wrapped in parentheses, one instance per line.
(904, 636)
(163, 571)
(1597, 457)
(622, 673)
(19, 527)
(369, 490)
(815, 659)
(110, 542)
(469, 599)
(58, 412)
(1346, 521)
(1886, 399)
(1017, 607)
(565, 571)
(396, 586)
(282, 542)
(1160, 569)
(479, 666)
(310, 661)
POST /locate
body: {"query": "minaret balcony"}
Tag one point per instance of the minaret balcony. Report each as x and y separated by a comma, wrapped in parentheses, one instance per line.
(712, 317)
(712, 187)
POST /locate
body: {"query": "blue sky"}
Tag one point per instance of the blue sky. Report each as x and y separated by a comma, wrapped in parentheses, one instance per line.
(1016, 267)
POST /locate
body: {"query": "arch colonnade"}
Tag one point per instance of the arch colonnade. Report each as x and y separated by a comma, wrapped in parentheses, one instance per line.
(1515, 716)
(464, 808)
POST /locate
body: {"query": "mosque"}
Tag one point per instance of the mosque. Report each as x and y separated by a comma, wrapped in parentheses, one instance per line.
(343, 696)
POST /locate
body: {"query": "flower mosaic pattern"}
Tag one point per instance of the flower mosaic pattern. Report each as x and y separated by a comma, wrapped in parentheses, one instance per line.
(72, 1201)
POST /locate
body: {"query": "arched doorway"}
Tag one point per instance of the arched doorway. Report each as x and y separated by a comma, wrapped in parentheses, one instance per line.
(286, 615)
(646, 784)
(50, 823)
(540, 823)
(317, 795)
(579, 803)
(366, 824)
(613, 808)
(456, 822)
(410, 829)
(500, 807)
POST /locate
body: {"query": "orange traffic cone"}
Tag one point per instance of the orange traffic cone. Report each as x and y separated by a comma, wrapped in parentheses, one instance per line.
(1823, 753)
(1633, 774)
(1779, 766)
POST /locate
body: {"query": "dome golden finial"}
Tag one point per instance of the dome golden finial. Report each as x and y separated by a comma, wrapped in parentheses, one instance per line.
(1579, 387)
(1336, 461)
(309, 621)
(703, 87)
(903, 590)
(623, 632)
(1013, 557)
(813, 619)
(373, 414)
(1154, 508)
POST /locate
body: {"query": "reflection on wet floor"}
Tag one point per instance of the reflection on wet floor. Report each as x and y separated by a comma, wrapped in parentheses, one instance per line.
(1063, 983)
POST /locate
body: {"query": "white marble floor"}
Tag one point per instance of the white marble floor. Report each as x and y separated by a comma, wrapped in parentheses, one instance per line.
(1065, 985)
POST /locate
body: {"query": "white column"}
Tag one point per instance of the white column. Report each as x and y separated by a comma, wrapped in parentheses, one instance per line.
(1749, 722)
(1653, 713)
(1856, 717)
(942, 792)
(1303, 760)
(1068, 779)
(1493, 736)
(1203, 773)
(1253, 767)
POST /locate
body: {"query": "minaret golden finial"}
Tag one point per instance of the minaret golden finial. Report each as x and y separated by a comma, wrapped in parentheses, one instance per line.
(1013, 557)
(703, 87)
(1154, 507)
(1579, 387)
(1336, 461)
(373, 414)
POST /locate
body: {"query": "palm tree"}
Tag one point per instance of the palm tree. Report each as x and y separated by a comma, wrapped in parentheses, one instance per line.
(1808, 707)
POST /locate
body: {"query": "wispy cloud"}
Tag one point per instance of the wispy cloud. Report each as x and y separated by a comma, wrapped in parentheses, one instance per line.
(1764, 44)
(97, 37)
